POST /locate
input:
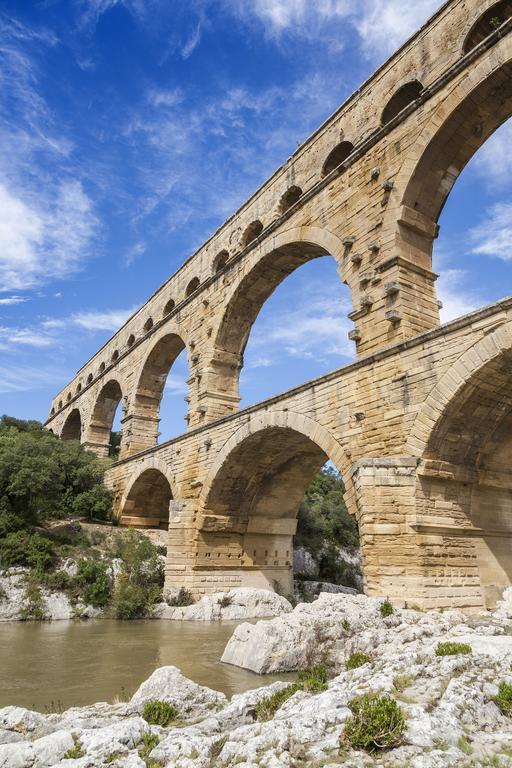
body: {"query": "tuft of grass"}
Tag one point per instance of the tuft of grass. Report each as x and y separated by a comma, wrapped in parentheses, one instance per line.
(386, 609)
(357, 659)
(376, 723)
(216, 748)
(452, 649)
(465, 745)
(267, 707)
(73, 753)
(346, 625)
(401, 682)
(149, 742)
(504, 698)
(158, 712)
(312, 680)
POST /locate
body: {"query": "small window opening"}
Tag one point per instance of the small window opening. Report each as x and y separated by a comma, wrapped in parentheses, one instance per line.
(337, 156)
(251, 233)
(290, 197)
(401, 99)
(192, 286)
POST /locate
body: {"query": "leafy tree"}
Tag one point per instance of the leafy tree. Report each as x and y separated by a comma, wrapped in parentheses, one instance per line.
(139, 585)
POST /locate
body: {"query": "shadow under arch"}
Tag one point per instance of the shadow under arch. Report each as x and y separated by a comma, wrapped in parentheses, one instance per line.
(151, 378)
(146, 503)
(463, 436)
(72, 429)
(102, 419)
(285, 254)
(457, 129)
(251, 498)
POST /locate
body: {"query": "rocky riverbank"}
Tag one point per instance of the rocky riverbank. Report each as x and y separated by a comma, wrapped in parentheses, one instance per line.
(445, 680)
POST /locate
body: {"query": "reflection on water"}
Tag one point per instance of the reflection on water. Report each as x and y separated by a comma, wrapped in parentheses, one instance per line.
(73, 664)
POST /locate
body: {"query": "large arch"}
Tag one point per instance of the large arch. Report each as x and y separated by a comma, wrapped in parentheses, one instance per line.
(275, 261)
(250, 500)
(151, 378)
(146, 502)
(463, 121)
(102, 419)
(72, 429)
(463, 435)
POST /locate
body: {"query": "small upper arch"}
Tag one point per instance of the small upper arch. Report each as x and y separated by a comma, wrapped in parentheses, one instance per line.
(148, 324)
(254, 229)
(131, 340)
(192, 286)
(115, 355)
(487, 23)
(337, 156)
(405, 95)
(90, 377)
(220, 260)
(169, 307)
(290, 197)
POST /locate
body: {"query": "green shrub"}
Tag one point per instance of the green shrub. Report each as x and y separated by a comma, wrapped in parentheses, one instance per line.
(377, 722)
(35, 605)
(452, 649)
(149, 742)
(314, 679)
(93, 583)
(140, 582)
(23, 548)
(401, 682)
(357, 659)
(158, 712)
(74, 753)
(346, 625)
(386, 609)
(267, 707)
(504, 698)
(184, 598)
(95, 503)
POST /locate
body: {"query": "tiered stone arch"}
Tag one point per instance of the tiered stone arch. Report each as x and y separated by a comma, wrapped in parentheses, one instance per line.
(463, 436)
(145, 503)
(99, 427)
(248, 506)
(270, 264)
(460, 123)
(72, 427)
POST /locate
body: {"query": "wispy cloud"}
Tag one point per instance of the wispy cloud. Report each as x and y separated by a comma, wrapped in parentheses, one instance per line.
(494, 159)
(12, 300)
(493, 237)
(20, 378)
(109, 320)
(457, 296)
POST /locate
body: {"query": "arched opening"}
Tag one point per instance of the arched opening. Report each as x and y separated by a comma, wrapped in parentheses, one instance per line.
(147, 502)
(102, 367)
(169, 307)
(148, 324)
(283, 329)
(251, 507)
(488, 23)
(465, 130)
(68, 397)
(254, 229)
(90, 378)
(337, 156)
(290, 197)
(78, 388)
(131, 340)
(220, 261)
(192, 286)
(464, 495)
(161, 390)
(400, 100)
(105, 428)
(72, 429)
(115, 355)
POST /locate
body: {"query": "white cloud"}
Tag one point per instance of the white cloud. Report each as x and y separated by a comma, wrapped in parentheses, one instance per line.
(176, 384)
(382, 25)
(27, 337)
(493, 237)
(494, 159)
(133, 253)
(16, 378)
(107, 320)
(45, 240)
(161, 97)
(12, 300)
(192, 42)
(458, 299)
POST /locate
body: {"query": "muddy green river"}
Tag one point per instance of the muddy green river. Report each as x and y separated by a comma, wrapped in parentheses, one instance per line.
(52, 666)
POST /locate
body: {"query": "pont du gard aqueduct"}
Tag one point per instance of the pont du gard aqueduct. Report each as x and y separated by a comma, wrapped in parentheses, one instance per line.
(419, 426)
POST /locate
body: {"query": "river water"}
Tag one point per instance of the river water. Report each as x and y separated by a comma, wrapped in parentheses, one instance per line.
(56, 665)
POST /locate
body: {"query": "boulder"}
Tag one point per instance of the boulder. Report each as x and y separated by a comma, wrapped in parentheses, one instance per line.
(236, 604)
(189, 698)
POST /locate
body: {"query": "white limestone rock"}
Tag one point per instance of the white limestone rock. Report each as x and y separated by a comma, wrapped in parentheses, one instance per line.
(189, 698)
(41, 753)
(304, 564)
(236, 604)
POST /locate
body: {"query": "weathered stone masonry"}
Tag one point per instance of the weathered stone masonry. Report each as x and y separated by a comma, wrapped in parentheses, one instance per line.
(418, 425)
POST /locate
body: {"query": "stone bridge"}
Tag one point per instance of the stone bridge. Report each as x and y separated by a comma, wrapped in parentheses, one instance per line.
(419, 425)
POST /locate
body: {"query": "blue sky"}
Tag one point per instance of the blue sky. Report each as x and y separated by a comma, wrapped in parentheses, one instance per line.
(131, 129)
